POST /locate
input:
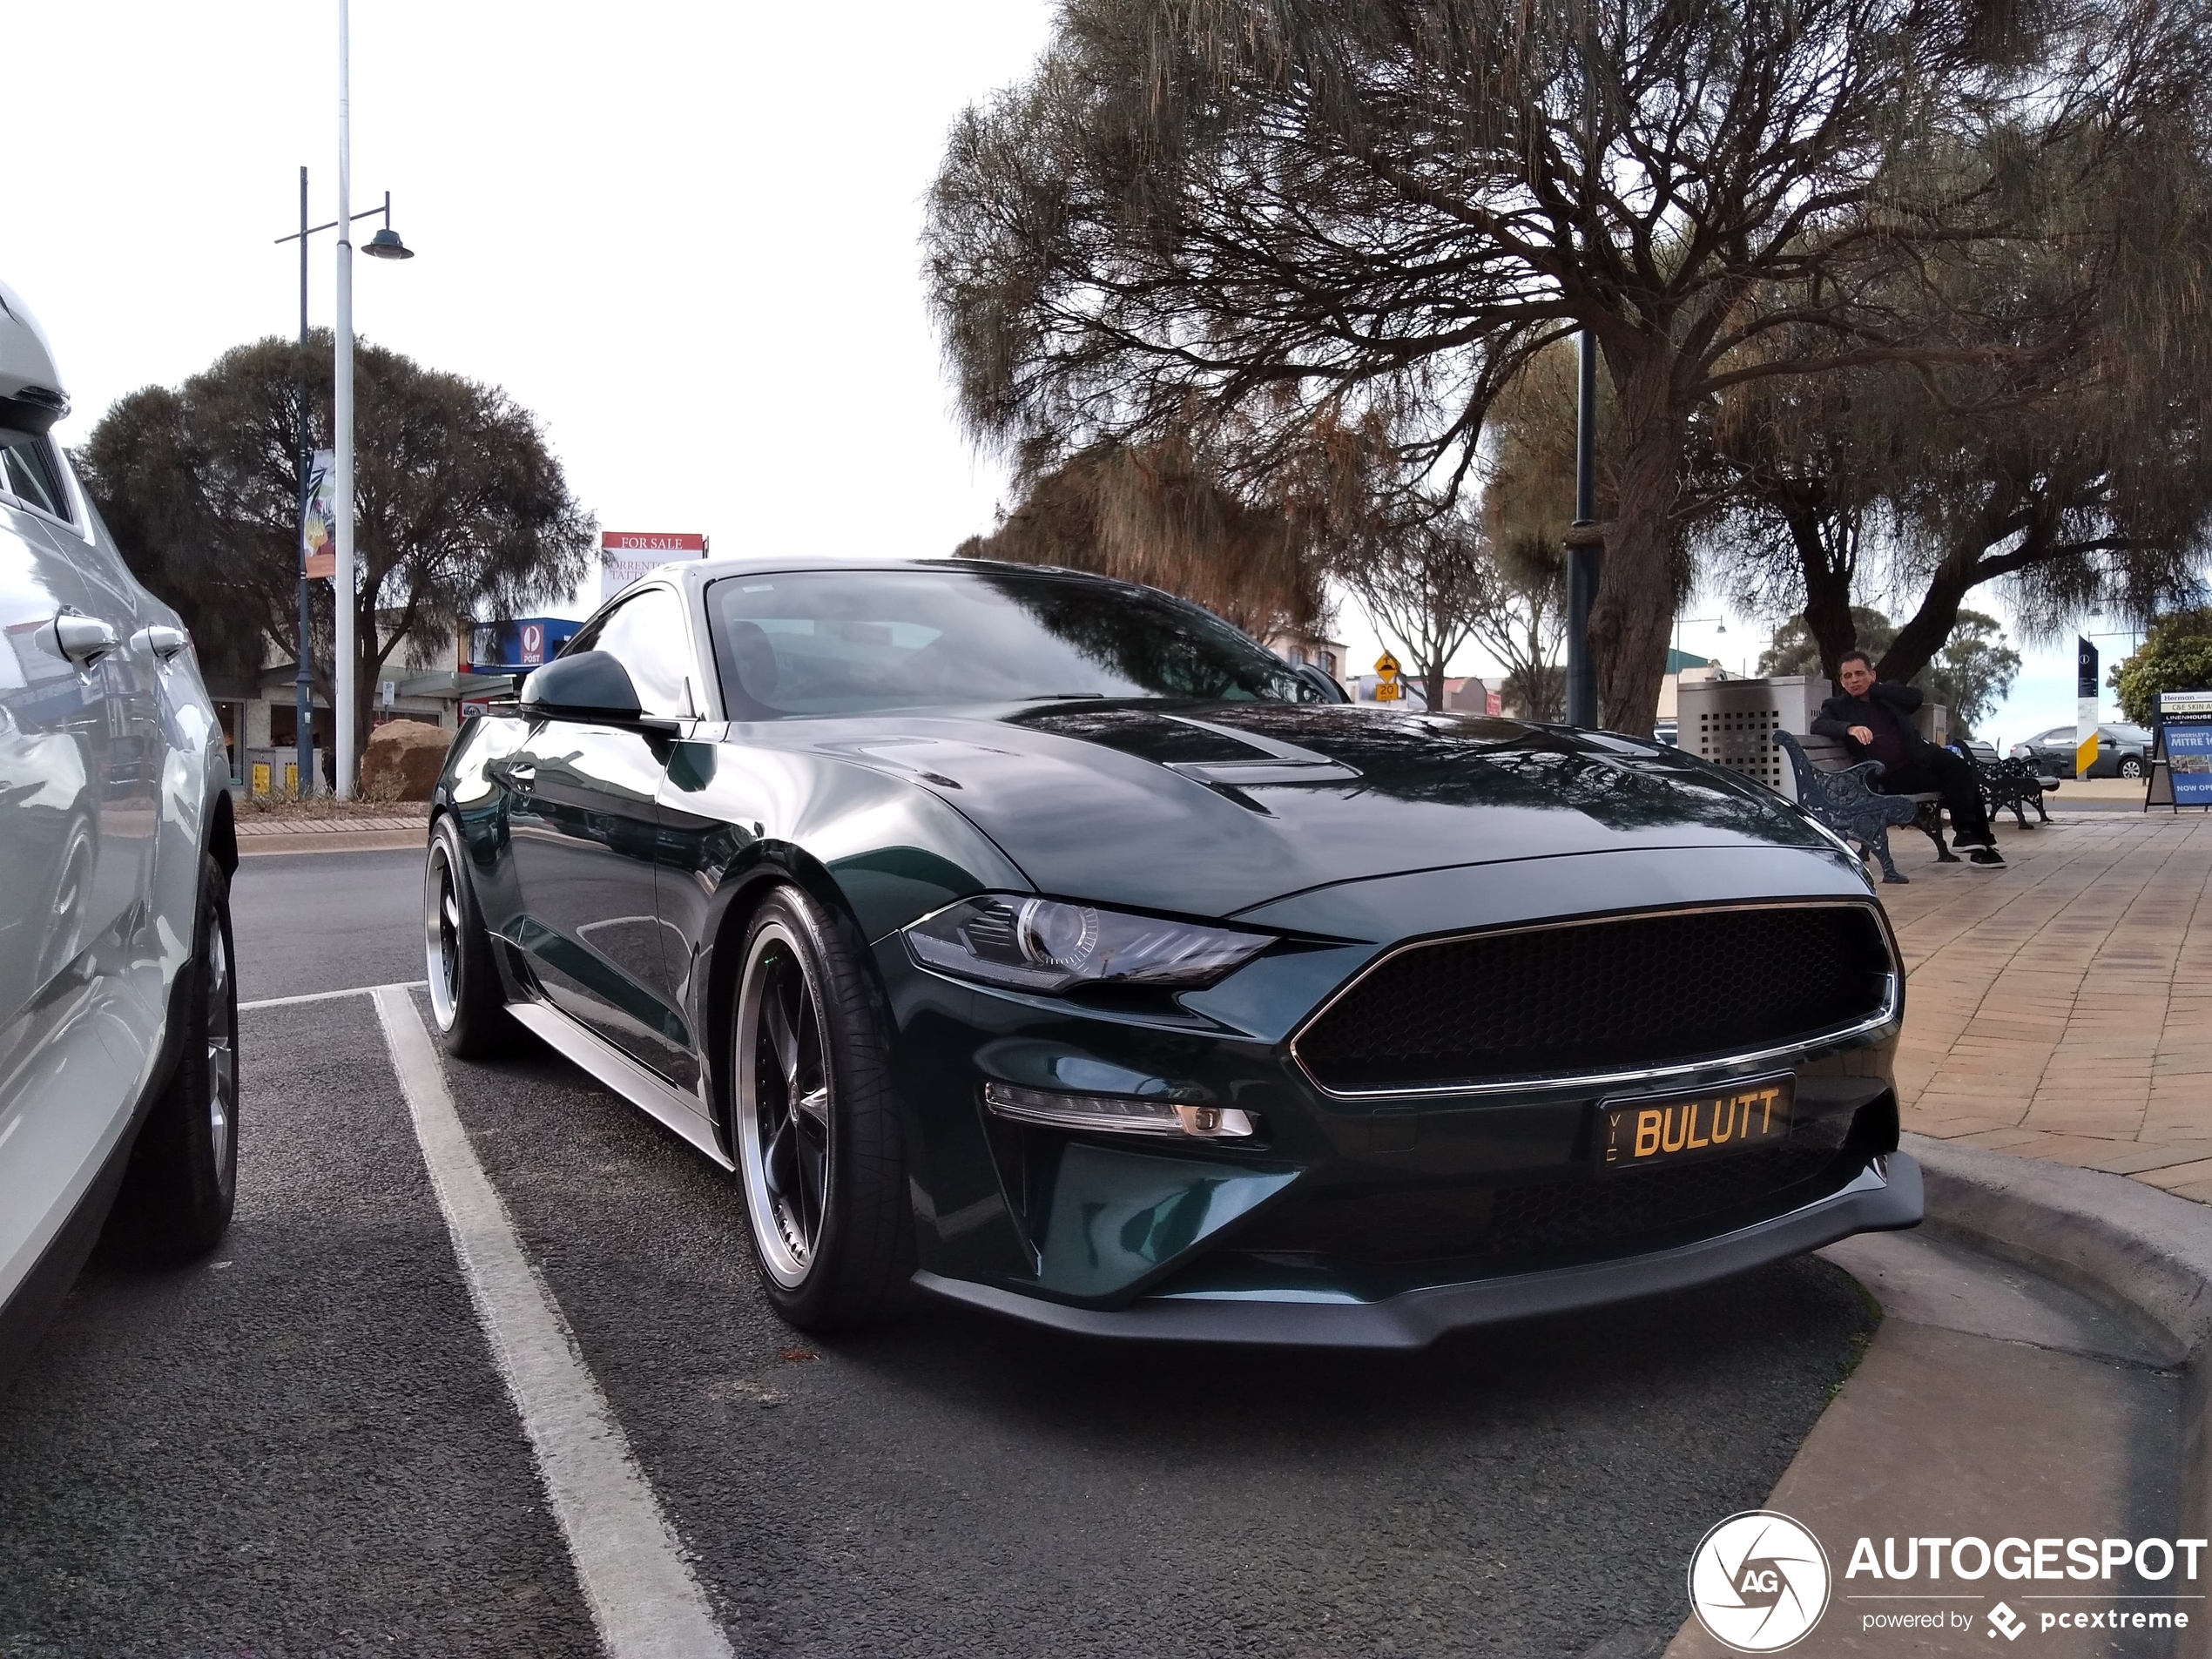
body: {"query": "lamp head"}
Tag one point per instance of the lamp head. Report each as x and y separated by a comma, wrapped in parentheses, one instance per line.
(386, 245)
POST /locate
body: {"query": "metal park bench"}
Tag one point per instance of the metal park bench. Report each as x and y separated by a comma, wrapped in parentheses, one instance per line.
(1847, 802)
(2011, 782)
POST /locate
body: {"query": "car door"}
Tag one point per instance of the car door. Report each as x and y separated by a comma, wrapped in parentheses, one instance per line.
(584, 833)
(63, 1095)
(128, 683)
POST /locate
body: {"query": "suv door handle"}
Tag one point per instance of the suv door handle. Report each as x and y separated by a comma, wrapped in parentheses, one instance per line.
(83, 639)
(161, 642)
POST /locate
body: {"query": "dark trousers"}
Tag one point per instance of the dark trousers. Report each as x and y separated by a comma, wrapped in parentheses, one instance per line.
(1952, 777)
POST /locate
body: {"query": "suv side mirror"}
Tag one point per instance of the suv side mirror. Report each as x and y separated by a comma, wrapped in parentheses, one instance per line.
(583, 685)
(1322, 681)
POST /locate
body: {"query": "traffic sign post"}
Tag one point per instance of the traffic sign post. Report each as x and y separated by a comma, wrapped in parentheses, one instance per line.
(1388, 687)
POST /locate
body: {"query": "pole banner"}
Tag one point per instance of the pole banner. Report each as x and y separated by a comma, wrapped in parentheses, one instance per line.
(318, 524)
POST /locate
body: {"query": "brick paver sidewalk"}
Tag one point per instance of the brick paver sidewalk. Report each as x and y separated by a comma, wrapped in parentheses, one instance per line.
(2063, 1008)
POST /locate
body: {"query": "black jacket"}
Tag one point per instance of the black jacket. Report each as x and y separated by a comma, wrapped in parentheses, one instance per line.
(1839, 713)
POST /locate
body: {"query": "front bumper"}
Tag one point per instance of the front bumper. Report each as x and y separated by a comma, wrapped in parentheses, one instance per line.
(1885, 1198)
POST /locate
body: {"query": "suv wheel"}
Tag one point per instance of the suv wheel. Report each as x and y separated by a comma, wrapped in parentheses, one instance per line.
(2131, 766)
(182, 1182)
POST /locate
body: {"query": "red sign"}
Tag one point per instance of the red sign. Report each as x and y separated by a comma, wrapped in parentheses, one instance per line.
(533, 644)
(663, 543)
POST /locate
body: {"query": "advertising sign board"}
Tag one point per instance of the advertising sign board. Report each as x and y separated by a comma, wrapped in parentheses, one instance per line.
(2185, 743)
(510, 647)
(319, 521)
(2181, 755)
(626, 555)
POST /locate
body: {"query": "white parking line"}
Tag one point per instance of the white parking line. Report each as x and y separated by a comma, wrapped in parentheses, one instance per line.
(643, 1595)
(324, 996)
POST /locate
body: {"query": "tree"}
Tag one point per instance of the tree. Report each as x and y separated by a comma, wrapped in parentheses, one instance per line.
(1423, 583)
(1158, 515)
(2176, 656)
(1373, 212)
(1796, 652)
(1970, 676)
(458, 505)
(1973, 672)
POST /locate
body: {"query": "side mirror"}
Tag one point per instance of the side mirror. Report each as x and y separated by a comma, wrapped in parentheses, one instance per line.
(583, 685)
(1321, 681)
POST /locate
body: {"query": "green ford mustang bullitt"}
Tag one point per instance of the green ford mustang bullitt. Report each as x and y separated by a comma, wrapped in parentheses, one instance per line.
(1040, 942)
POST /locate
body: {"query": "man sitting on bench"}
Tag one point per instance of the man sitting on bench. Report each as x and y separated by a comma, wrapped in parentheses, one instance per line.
(1873, 720)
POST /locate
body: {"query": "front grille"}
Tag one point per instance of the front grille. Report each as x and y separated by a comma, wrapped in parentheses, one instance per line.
(1590, 998)
(1576, 1216)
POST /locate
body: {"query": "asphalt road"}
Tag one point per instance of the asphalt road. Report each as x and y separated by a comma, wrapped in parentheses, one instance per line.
(303, 1445)
(320, 921)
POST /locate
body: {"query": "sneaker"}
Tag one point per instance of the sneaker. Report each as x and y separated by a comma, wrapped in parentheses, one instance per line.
(1986, 856)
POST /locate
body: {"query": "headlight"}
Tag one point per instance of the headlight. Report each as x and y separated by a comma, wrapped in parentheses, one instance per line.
(1048, 945)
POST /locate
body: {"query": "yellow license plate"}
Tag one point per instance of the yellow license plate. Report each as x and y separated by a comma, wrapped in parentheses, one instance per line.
(1644, 1132)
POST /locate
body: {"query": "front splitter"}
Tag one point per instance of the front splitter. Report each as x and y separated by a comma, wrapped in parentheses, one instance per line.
(1884, 1198)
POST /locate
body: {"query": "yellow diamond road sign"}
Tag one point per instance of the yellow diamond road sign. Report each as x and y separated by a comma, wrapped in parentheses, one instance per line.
(1387, 665)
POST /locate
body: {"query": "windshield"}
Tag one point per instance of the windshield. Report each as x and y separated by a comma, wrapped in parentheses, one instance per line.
(858, 642)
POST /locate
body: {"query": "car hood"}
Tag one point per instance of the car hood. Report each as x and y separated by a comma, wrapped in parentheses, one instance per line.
(1211, 808)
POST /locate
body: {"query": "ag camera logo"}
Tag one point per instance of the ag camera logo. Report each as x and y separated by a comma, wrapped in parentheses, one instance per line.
(1759, 1582)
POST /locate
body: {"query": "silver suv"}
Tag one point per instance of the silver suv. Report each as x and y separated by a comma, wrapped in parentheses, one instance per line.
(118, 1010)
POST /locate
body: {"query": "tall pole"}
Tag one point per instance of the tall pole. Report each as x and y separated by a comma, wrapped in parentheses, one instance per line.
(342, 678)
(1582, 551)
(304, 688)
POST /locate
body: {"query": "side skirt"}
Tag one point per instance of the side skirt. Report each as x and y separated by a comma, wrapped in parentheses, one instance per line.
(659, 1098)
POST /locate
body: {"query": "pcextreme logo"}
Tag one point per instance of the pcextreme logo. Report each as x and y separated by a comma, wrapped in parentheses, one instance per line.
(1759, 1582)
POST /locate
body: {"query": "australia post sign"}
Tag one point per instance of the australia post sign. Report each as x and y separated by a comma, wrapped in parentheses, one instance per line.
(626, 555)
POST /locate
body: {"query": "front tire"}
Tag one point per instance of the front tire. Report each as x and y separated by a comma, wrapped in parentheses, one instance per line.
(467, 1003)
(2130, 767)
(816, 1124)
(182, 1182)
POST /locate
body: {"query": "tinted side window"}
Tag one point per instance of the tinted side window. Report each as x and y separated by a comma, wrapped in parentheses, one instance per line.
(27, 471)
(645, 635)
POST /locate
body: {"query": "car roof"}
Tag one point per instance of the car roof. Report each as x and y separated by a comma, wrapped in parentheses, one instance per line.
(696, 573)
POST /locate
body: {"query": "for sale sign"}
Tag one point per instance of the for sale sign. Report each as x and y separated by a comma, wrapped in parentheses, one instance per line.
(626, 555)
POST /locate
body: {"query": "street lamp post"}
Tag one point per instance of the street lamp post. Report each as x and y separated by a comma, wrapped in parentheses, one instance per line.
(1693, 622)
(385, 244)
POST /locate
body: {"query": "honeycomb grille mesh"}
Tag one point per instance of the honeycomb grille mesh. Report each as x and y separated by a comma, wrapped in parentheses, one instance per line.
(1639, 992)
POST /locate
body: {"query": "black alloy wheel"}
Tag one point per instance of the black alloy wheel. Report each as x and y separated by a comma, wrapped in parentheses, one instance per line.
(467, 1003)
(182, 1182)
(815, 1122)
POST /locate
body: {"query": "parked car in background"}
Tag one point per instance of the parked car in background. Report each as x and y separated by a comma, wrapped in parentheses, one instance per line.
(2122, 751)
(119, 1061)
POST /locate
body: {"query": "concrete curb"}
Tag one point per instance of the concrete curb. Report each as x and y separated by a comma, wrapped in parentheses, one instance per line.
(254, 846)
(2111, 1238)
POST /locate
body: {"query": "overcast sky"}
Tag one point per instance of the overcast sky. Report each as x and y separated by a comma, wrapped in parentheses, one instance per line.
(683, 235)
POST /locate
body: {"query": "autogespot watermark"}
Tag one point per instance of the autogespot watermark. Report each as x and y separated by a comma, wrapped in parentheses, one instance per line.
(1760, 1582)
